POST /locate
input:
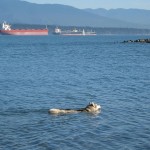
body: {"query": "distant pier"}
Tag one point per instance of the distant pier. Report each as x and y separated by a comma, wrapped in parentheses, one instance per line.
(138, 41)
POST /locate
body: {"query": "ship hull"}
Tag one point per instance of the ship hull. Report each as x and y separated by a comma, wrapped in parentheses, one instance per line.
(71, 33)
(78, 34)
(25, 32)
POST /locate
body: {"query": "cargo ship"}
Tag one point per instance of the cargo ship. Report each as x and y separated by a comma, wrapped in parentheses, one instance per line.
(74, 32)
(6, 30)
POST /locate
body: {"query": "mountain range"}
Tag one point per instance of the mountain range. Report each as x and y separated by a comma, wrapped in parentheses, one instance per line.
(16, 11)
(137, 16)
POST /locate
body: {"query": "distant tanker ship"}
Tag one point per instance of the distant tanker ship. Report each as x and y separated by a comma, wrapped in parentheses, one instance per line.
(6, 30)
(74, 32)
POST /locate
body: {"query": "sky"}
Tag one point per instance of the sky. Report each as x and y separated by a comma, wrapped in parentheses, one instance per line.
(107, 4)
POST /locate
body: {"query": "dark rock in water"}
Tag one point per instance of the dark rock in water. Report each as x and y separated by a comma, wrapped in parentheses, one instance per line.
(138, 41)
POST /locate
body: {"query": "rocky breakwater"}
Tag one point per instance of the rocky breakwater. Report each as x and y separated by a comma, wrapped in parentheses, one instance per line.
(138, 41)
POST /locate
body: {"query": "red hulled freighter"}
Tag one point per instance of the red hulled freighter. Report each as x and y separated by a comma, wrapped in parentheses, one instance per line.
(6, 30)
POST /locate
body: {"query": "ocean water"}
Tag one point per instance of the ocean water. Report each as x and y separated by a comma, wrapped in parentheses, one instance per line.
(42, 72)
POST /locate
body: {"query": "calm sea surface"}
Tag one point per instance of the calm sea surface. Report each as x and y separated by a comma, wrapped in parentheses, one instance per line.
(39, 73)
